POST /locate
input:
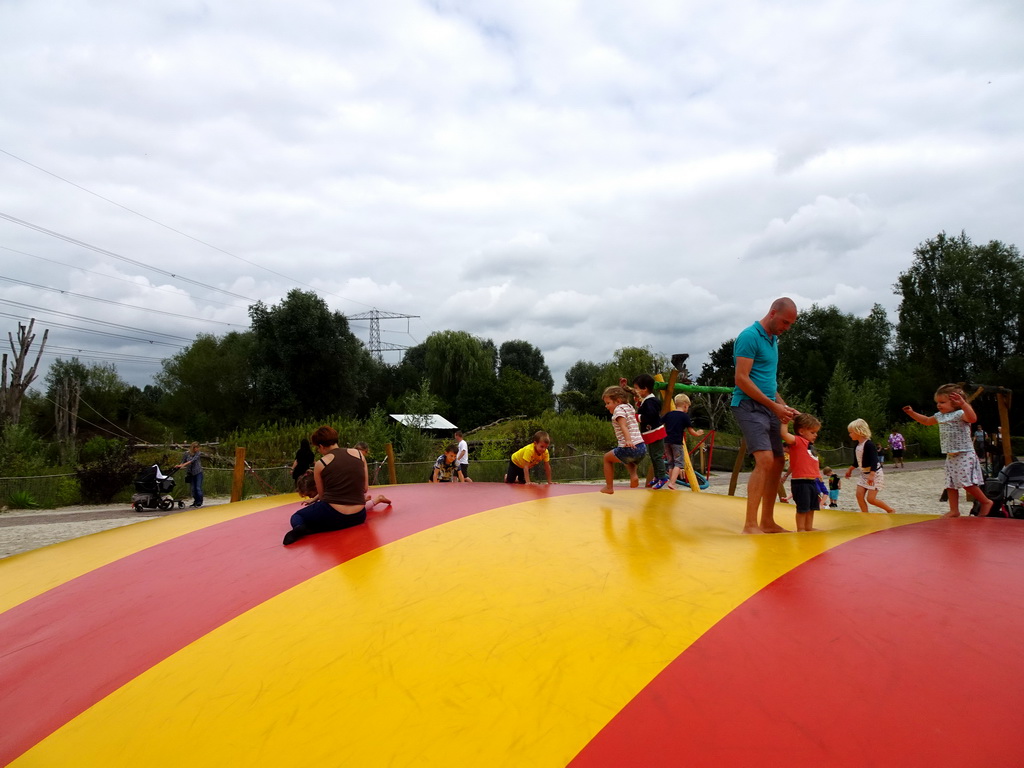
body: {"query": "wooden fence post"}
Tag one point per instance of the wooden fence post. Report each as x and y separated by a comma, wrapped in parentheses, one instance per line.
(238, 478)
(392, 477)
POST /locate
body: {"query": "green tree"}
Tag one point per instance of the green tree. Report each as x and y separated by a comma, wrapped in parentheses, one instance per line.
(454, 359)
(846, 400)
(720, 369)
(519, 393)
(522, 356)
(630, 362)
(582, 390)
(305, 361)
(960, 312)
(824, 337)
(207, 386)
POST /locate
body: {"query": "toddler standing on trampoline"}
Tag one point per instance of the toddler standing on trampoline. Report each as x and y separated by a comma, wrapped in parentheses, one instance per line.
(963, 470)
(866, 457)
(805, 468)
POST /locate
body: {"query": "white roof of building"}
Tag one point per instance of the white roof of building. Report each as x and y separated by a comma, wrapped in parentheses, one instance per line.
(423, 420)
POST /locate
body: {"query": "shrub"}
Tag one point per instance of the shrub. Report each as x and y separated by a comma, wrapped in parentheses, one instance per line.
(97, 447)
(101, 480)
(22, 500)
(922, 441)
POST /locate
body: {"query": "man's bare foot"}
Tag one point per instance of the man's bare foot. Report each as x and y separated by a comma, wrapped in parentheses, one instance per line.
(607, 489)
(773, 528)
(752, 529)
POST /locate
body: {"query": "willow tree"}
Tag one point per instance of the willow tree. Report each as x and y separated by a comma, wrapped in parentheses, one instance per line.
(456, 358)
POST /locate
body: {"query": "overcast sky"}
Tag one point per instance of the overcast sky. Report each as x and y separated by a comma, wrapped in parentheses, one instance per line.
(582, 175)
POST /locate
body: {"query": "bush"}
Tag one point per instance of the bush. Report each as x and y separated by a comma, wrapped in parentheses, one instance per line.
(22, 500)
(97, 447)
(922, 441)
(101, 480)
(20, 451)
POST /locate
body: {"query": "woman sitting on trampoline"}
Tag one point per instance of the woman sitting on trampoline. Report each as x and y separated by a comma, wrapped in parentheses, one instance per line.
(342, 481)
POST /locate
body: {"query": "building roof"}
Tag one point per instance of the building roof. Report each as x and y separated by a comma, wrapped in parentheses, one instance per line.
(423, 420)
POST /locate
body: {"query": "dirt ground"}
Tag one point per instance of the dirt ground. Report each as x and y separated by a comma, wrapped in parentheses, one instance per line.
(914, 489)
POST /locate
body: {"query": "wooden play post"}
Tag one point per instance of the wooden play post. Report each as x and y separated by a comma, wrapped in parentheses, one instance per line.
(238, 477)
(691, 476)
(1003, 399)
(737, 466)
(390, 451)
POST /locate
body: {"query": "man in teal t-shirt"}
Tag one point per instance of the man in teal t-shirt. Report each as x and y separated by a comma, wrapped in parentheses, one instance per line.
(760, 410)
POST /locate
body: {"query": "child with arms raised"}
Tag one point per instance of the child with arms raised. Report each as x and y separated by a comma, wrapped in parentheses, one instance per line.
(804, 468)
(631, 448)
(963, 470)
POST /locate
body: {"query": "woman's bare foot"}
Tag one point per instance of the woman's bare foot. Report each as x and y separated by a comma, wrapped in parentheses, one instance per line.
(952, 514)
(752, 529)
(607, 489)
(774, 528)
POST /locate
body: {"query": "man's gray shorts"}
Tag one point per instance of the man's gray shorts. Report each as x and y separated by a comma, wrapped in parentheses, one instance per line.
(760, 427)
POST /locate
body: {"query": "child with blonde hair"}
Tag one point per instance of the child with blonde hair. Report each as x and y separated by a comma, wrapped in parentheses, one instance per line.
(963, 470)
(677, 425)
(804, 467)
(631, 448)
(871, 479)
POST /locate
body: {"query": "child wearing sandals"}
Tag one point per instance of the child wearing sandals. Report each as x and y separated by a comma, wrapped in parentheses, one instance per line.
(963, 470)
(631, 448)
(871, 479)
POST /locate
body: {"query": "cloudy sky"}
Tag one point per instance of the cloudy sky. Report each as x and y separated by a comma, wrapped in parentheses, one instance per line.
(582, 175)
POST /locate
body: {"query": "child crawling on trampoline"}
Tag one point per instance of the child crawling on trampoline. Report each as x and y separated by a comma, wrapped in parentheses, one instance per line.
(631, 448)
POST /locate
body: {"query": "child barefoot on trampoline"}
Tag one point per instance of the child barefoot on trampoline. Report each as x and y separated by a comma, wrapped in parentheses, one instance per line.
(631, 448)
(805, 468)
(963, 470)
(866, 457)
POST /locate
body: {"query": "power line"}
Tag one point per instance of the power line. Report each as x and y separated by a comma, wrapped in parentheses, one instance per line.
(36, 310)
(115, 356)
(104, 358)
(176, 231)
(116, 277)
(111, 301)
(52, 324)
(111, 254)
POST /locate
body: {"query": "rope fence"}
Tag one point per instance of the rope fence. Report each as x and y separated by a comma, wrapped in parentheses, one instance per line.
(57, 490)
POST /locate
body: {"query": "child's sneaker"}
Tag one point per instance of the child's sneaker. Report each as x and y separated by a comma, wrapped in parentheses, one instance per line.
(658, 484)
(650, 483)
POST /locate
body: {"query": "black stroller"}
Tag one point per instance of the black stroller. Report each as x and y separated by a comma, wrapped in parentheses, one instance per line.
(1007, 491)
(152, 490)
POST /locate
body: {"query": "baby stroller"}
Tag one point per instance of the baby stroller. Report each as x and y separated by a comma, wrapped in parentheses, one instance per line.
(152, 490)
(1007, 491)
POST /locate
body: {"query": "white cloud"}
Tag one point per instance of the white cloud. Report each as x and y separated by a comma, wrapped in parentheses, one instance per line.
(576, 175)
